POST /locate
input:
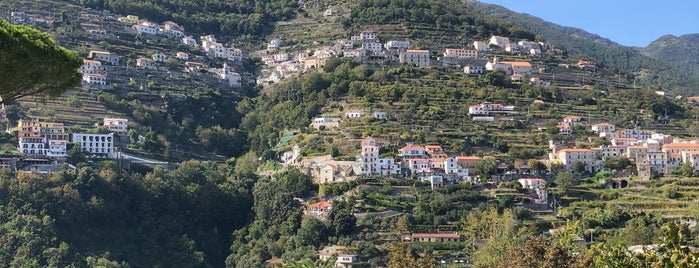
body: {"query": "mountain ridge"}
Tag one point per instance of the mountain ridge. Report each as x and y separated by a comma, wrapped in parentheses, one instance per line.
(637, 67)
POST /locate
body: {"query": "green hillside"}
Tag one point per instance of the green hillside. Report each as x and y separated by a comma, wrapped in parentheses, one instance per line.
(678, 51)
(632, 64)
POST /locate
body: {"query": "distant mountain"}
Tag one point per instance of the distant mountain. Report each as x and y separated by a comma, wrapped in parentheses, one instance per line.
(578, 43)
(680, 52)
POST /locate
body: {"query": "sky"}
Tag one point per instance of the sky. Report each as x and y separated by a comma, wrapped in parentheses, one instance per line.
(627, 22)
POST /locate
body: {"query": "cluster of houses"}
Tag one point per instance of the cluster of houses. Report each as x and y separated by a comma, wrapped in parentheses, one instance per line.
(429, 163)
(653, 153)
(367, 46)
(333, 121)
(49, 139)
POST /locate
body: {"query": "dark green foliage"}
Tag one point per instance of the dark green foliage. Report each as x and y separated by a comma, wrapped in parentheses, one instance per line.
(618, 163)
(177, 219)
(236, 17)
(32, 64)
(439, 14)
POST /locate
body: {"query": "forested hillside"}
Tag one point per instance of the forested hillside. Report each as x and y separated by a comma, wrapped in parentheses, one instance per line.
(681, 52)
(627, 61)
(438, 13)
(227, 17)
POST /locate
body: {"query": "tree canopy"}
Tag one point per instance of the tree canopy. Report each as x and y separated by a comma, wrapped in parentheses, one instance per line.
(31, 63)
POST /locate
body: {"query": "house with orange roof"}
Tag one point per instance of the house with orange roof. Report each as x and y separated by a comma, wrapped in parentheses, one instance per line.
(516, 77)
(572, 120)
(412, 151)
(468, 161)
(418, 165)
(519, 67)
(564, 129)
(318, 209)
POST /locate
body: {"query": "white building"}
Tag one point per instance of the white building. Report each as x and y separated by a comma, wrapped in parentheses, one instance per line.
(182, 55)
(354, 114)
(419, 58)
(570, 157)
(375, 47)
(145, 63)
(95, 79)
(117, 126)
(233, 78)
(275, 43)
(146, 27)
(91, 67)
(95, 145)
(57, 148)
(103, 56)
(480, 46)
(32, 146)
(370, 162)
(159, 57)
(499, 41)
(189, 41)
(461, 53)
(397, 45)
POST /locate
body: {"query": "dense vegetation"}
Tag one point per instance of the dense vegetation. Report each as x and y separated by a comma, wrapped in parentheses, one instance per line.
(678, 51)
(31, 63)
(234, 18)
(102, 215)
(439, 14)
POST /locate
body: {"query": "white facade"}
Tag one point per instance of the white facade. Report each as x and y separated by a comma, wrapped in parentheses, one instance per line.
(461, 53)
(500, 41)
(603, 127)
(145, 63)
(374, 47)
(354, 114)
(57, 148)
(189, 41)
(397, 44)
(419, 58)
(104, 56)
(146, 27)
(182, 56)
(91, 67)
(117, 126)
(370, 162)
(370, 154)
(570, 157)
(94, 79)
(480, 46)
(159, 57)
(95, 145)
(32, 146)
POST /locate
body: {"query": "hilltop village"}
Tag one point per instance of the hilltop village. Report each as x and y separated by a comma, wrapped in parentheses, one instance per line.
(357, 143)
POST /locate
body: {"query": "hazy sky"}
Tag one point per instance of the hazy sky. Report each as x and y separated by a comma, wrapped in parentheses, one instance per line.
(627, 22)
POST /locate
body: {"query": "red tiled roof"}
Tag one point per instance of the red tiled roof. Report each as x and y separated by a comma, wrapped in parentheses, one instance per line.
(411, 147)
(468, 158)
(322, 204)
(682, 145)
